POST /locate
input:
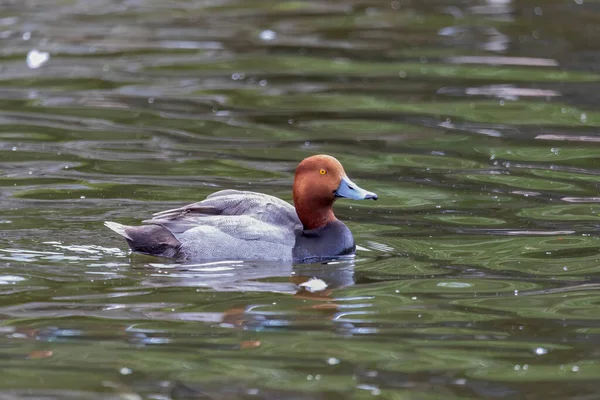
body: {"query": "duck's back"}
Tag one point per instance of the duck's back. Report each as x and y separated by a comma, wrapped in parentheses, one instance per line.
(233, 224)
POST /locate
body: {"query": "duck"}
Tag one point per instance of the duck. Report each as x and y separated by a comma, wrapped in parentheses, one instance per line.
(250, 226)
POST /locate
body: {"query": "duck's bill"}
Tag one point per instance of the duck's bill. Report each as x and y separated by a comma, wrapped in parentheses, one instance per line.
(350, 190)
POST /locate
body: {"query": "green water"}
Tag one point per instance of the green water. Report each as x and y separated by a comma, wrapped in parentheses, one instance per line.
(476, 122)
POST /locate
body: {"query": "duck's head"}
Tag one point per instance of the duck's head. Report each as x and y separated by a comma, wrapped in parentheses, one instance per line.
(318, 182)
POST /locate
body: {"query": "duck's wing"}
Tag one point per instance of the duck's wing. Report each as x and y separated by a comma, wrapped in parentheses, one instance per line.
(245, 215)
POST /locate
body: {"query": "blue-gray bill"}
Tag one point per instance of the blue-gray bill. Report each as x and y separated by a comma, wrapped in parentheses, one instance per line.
(350, 190)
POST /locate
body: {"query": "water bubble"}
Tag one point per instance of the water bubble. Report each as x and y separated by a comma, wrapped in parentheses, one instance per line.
(314, 285)
(402, 74)
(27, 36)
(268, 35)
(82, 197)
(125, 371)
(333, 361)
(538, 11)
(580, 2)
(540, 351)
(575, 368)
(454, 285)
(150, 100)
(36, 59)
(14, 148)
(263, 82)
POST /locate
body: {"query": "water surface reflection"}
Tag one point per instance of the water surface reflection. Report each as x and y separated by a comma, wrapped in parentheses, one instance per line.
(475, 121)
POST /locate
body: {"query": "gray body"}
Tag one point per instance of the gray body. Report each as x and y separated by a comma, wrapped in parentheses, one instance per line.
(238, 225)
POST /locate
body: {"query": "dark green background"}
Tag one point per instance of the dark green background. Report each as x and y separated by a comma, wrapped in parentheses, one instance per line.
(476, 122)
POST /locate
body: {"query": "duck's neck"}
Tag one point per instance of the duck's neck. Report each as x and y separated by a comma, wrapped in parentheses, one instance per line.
(314, 214)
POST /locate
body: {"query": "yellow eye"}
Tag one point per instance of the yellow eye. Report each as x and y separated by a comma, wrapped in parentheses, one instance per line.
(322, 171)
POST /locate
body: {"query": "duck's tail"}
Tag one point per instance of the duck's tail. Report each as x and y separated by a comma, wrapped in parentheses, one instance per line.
(155, 240)
(119, 228)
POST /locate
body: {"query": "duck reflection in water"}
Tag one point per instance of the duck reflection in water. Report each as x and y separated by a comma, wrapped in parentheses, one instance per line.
(316, 282)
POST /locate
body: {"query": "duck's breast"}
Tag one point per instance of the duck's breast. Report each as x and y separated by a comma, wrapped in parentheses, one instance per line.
(331, 240)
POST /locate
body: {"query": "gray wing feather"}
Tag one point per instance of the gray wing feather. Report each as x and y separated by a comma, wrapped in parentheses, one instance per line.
(243, 215)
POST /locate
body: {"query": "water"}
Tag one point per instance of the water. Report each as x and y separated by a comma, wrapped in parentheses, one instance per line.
(476, 122)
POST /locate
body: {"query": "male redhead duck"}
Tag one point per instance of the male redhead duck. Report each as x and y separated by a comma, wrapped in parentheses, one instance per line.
(232, 224)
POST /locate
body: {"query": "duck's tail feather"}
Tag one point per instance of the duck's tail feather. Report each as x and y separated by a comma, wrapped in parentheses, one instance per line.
(119, 228)
(149, 239)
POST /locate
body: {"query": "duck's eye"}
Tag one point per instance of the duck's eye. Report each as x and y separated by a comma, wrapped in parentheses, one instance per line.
(322, 171)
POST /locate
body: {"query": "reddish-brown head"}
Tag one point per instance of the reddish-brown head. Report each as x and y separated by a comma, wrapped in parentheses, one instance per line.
(318, 182)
